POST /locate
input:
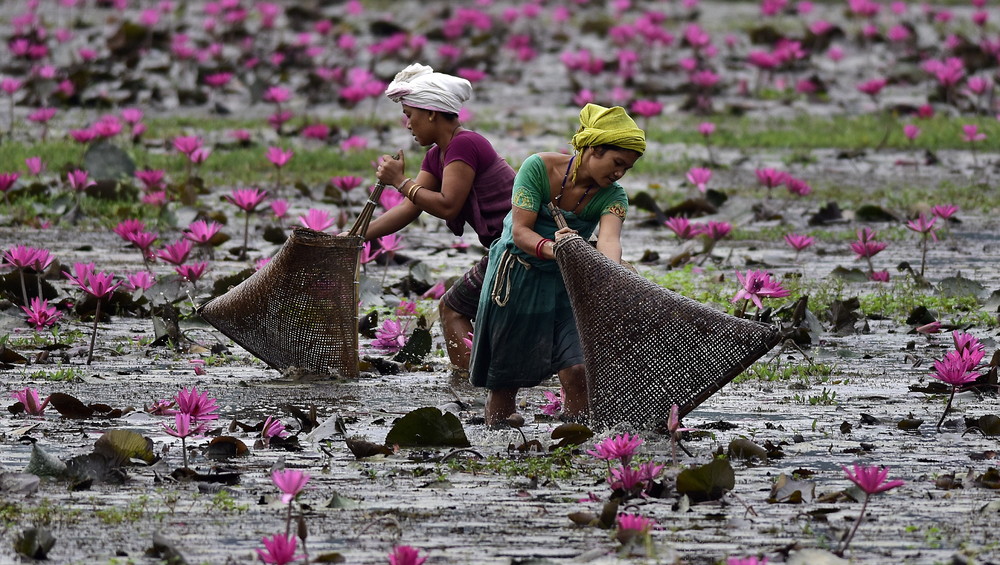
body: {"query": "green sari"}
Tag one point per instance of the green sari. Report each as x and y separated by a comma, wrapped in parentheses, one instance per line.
(524, 330)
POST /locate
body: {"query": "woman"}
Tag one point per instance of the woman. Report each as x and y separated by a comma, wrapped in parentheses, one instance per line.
(525, 330)
(462, 180)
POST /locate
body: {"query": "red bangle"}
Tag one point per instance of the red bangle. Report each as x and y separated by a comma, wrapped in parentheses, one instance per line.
(538, 247)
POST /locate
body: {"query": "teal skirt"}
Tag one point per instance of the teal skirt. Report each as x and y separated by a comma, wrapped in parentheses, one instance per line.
(524, 331)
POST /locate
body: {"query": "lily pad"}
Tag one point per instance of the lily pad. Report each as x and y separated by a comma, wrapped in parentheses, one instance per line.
(707, 482)
(959, 286)
(121, 446)
(417, 346)
(571, 433)
(427, 426)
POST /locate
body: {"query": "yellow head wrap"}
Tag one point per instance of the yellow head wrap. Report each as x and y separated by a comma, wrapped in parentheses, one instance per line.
(608, 126)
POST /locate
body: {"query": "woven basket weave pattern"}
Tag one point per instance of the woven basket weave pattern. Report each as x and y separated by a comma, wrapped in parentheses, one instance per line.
(646, 347)
(301, 309)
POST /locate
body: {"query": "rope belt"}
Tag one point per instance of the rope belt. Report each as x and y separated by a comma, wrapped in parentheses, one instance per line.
(500, 292)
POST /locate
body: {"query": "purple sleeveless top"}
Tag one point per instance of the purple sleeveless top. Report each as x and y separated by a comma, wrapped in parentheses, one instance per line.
(488, 202)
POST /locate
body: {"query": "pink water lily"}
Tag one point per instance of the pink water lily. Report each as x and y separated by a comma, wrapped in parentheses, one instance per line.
(770, 178)
(620, 447)
(40, 314)
(405, 555)
(757, 285)
(315, 219)
(871, 480)
(78, 180)
(176, 253)
(143, 280)
(278, 156)
(272, 427)
(198, 406)
(28, 397)
(390, 336)
(192, 272)
(290, 482)
(202, 232)
(35, 165)
(7, 181)
(683, 227)
(346, 183)
(699, 177)
(279, 549)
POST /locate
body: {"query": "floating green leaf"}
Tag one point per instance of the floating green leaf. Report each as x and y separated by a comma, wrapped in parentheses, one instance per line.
(427, 426)
(707, 482)
(121, 446)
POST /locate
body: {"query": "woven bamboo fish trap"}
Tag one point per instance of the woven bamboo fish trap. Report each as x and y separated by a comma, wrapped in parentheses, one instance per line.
(301, 309)
(647, 348)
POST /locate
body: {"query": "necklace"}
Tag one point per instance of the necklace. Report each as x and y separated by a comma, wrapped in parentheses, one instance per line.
(562, 187)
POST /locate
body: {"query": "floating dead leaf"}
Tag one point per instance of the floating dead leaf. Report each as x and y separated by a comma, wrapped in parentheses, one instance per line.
(426, 427)
(185, 474)
(707, 482)
(9, 358)
(337, 500)
(874, 213)
(983, 456)
(122, 446)
(224, 447)
(19, 483)
(362, 448)
(331, 557)
(34, 543)
(792, 491)
(989, 424)
(571, 433)
(584, 518)
(948, 482)
(307, 420)
(909, 423)
(990, 479)
(69, 406)
(742, 448)
(417, 346)
(960, 287)
(827, 215)
(44, 464)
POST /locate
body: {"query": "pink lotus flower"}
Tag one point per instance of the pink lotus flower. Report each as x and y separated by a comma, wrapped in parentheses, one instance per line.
(198, 406)
(182, 426)
(367, 256)
(132, 116)
(29, 399)
(315, 219)
(879, 276)
(798, 242)
(757, 285)
(35, 165)
(78, 180)
(97, 284)
(278, 156)
(192, 272)
(716, 230)
(928, 329)
(7, 181)
(217, 80)
(647, 108)
(971, 133)
(247, 199)
(699, 177)
(405, 555)
(553, 403)
(187, 144)
(911, 131)
(143, 280)
(42, 115)
(391, 336)
(125, 228)
(40, 314)
(871, 480)
(390, 199)
(176, 253)
(290, 482)
(10, 85)
(944, 211)
(279, 208)
(435, 292)
(346, 183)
(770, 177)
(746, 561)
(277, 95)
(621, 447)
(273, 427)
(355, 142)
(924, 225)
(202, 232)
(152, 179)
(635, 523)
(683, 227)
(279, 549)
(866, 247)
(797, 186)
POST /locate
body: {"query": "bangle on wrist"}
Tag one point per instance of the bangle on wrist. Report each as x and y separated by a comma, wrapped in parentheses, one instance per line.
(414, 188)
(402, 184)
(539, 247)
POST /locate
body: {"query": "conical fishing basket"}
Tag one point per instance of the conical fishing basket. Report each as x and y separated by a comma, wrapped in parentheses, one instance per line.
(300, 309)
(647, 348)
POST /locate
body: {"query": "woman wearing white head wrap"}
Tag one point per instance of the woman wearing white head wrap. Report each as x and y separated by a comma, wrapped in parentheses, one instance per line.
(418, 86)
(462, 180)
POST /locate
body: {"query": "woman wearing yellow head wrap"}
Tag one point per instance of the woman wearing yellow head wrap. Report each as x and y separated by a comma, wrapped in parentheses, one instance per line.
(524, 330)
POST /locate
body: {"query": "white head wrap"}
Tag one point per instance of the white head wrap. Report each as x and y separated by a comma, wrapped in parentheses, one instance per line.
(419, 86)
